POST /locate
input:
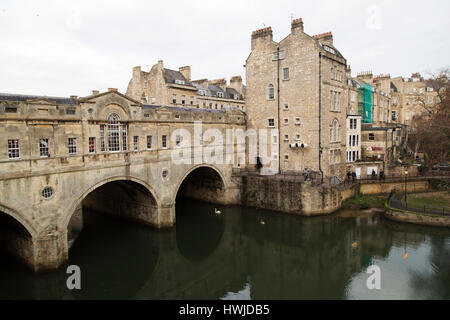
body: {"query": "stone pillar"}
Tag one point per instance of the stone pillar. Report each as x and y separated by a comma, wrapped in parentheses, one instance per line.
(50, 249)
(166, 216)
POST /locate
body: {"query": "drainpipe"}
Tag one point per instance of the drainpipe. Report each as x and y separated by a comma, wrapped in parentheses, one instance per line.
(278, 110)
(320, 114)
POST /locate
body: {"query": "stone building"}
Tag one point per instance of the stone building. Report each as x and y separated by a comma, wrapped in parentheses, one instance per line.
(298, 86)
(162, 86)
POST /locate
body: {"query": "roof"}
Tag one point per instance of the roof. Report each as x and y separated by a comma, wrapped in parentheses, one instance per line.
(198, 110)
(172, 75)
(214, 89)
(24, 98)
(393, 87)
(231, 92)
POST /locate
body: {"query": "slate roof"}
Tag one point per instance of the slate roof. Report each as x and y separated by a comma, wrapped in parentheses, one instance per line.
(24, 98)
(231, 92)
(172, 75)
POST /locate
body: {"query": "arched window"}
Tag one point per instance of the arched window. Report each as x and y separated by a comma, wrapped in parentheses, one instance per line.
(113, 133)
(271, 92)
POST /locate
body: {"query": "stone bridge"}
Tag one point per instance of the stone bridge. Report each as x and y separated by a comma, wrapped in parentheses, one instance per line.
(106, 152)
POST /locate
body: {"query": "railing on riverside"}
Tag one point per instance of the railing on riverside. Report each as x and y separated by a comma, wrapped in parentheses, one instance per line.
(395, 201)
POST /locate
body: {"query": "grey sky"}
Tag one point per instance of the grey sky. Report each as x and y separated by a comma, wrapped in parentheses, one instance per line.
(56, 47)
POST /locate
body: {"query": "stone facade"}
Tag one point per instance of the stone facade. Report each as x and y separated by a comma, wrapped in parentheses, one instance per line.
(162, 86)
(66, 149)
(298, 87)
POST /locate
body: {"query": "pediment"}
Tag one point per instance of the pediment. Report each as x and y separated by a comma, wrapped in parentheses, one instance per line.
(111, 95)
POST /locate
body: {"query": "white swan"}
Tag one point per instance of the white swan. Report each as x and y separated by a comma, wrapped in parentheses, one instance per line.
(217, 212)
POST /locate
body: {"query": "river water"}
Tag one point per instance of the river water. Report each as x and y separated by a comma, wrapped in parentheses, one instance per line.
(245, 253)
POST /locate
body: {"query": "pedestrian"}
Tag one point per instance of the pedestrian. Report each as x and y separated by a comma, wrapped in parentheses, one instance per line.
(374, 174)
(354, 176)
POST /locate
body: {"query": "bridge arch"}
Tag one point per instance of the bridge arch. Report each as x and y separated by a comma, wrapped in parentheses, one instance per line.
(214, 175)
(26, 224)
(65, 219)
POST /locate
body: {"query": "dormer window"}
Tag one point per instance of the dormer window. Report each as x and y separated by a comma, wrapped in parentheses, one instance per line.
(220, 94)
(180, 82)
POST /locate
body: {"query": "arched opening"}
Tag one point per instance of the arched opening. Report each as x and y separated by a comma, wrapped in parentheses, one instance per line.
(204, 184)
(199, 227)
(15, 239)
(120, 198)
(106, 249)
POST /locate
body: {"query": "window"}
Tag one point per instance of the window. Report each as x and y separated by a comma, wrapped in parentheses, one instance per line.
(136, 143)
(285, 73)
(353, 97)
(70, 111)
(102, 138)
(220, 94)
(183, 99)
(394, 115)
(407, 115)
(146, 85)
(275, 56)
(177, 140)
(430, 100)
(10, 110)
(13, 149)
(334, 131)
(113, 133)
(275, 139)
(44, 147)
(297, 121)
(271, 122)
(286, 107)
(180, 82)
(72, 143)
(192, 100)
(47, 193)
(164, 141)
(297, 137)
(286, 121)
(174, 98)
(371, 136)
(286, 157)
(270, 92)
(91, 144)
(124, 137)
(286, 137)
(149, 142)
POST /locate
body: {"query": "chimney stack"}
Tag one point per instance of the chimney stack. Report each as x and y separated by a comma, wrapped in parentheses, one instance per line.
(186, 72)
(95, 92)
(326, 38)
(297, 25)
(261, 35)
(236, 84)
(112, 89)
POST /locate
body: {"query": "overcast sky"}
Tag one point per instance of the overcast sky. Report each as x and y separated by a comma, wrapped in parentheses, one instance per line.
(62, 48)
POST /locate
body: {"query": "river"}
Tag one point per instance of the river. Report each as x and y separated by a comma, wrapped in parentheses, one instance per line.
(245, 253)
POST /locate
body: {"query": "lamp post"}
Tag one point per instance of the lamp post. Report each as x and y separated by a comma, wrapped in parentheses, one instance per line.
(406, 176)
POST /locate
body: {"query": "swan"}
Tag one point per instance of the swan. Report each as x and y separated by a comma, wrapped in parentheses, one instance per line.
(262, 222)
(217, 212)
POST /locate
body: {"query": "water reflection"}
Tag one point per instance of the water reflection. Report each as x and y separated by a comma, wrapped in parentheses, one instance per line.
(235, 256)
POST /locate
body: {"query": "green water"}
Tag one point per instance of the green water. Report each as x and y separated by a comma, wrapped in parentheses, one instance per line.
(245, 254)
